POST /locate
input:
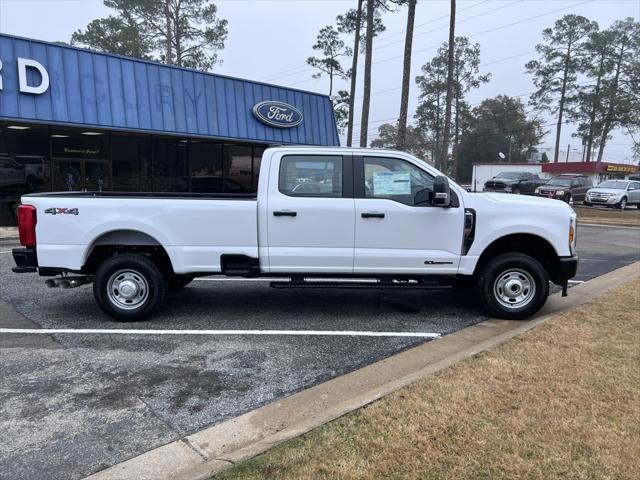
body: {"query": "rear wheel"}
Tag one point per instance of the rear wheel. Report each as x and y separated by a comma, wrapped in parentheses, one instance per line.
(129, 287)
(513, 286)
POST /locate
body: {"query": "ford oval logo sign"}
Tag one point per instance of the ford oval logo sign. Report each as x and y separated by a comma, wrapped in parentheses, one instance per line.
(277, 114)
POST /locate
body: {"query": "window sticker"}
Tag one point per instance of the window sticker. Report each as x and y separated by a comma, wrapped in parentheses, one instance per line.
(391, 183)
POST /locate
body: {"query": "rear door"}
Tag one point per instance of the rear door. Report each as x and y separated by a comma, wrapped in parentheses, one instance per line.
(393, 234)
(310, 214)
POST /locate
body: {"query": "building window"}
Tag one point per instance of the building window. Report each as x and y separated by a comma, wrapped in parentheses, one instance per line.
(80, 159)
(131, 163)
(206, 167)
(170, 173)
(238, 169)
(25, 166)
(257, 160)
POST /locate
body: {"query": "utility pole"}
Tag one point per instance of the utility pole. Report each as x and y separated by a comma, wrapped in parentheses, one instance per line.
(568, 148)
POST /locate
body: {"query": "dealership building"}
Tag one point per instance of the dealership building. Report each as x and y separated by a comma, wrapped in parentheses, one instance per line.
(73, 119)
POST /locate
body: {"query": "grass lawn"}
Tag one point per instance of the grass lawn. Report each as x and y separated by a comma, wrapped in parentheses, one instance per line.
(559, 402)
(630, 216)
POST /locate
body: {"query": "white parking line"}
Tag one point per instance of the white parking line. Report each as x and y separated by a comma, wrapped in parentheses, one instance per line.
(576, 281)
(5, 251)
(124, 331)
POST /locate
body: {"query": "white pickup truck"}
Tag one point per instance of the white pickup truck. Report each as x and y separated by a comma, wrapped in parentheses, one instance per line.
(323, 217)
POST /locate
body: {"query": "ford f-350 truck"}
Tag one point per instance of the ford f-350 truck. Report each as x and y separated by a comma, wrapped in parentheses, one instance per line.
(323, 217)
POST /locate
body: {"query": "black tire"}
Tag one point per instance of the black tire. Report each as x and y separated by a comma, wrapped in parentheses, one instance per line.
(146, 287)
(513, 271)
(176, 282)
(516, 191)
(622, 204)
(568, 199)
(587, 204)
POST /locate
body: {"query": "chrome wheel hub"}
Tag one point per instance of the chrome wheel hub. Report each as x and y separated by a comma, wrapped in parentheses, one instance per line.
(127, 289)
(514, 289)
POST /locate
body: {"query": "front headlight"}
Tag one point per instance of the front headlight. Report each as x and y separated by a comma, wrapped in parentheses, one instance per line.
(537, 190)
(560, 193)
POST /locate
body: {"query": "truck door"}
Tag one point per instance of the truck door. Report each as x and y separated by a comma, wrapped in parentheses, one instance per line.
(393, 234)
(310, 214)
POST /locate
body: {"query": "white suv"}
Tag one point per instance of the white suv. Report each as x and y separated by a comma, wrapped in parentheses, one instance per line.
(614, 193)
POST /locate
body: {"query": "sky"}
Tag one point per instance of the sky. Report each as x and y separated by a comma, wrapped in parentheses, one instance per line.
(269, 40)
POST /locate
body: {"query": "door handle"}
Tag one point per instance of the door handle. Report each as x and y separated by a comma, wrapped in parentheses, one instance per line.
(284, 213)
(372, 215)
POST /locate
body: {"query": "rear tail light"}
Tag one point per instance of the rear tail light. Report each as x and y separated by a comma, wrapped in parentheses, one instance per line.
(27, 225)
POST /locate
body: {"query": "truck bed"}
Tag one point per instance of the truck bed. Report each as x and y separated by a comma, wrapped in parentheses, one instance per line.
(194, 229)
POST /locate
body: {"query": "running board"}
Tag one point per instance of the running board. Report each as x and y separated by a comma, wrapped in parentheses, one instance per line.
(399, 285)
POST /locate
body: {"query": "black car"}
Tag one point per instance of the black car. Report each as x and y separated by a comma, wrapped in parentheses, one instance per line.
(566, 187)
(513, 182)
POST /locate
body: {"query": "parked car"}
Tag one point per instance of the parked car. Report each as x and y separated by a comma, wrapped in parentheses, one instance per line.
(365, 214)
(566, 187)
(513, 182)
(16, 175)
(615, 193)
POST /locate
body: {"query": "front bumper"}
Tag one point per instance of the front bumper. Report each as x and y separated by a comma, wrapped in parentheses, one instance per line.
(568, 269)
(602, 201)
(26, 260)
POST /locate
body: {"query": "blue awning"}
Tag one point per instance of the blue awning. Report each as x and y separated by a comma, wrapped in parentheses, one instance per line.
(88, 88)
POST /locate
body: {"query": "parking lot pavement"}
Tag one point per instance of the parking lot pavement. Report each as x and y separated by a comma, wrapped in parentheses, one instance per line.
(73, 404)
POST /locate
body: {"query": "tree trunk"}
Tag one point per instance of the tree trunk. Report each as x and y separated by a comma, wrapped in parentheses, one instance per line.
(561, 105)
(447, 116)
(354, 70)
(456, 133)
(330, 81)
(606, 128)
(366, 100)
(406, 77)
(169, 46)
(594, 105)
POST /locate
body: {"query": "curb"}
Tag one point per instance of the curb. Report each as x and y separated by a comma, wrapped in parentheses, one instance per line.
(609, 225)
(209, 451)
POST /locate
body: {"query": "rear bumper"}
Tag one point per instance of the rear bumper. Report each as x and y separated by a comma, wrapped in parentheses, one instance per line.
(26, 260)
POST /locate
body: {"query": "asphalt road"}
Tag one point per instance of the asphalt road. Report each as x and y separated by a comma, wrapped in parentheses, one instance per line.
(73, 404)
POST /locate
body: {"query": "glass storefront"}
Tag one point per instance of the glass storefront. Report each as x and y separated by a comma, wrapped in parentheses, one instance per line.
(37, 158)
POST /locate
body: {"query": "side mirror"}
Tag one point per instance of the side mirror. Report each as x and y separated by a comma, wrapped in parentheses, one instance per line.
(441, 192)
(423, 197)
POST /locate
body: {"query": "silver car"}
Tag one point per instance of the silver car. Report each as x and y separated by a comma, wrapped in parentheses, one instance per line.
(614, 193)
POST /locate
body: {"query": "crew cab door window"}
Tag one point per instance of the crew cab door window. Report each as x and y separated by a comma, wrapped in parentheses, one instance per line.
(394, 179)
(311, 176)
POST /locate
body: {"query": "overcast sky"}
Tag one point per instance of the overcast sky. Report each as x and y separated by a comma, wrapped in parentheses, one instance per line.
(270, 39)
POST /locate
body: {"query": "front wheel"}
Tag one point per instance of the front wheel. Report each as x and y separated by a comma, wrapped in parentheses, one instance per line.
(513, 286)
(622, 204)
(129, 287)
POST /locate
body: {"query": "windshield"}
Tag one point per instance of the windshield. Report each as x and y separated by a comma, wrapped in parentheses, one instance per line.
(559, 182)
(616, 184)
(513, 175)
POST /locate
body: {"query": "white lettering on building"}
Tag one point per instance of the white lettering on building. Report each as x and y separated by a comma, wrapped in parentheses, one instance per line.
(23, 83)
(23, 64)
(275, 113)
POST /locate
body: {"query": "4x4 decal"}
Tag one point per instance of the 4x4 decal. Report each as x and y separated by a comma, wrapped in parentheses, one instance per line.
(62, 211)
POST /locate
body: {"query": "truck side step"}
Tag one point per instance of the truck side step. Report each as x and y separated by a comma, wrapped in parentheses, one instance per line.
(395, 285)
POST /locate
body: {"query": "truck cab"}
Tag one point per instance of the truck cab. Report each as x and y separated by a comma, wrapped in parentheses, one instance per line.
(377, 218)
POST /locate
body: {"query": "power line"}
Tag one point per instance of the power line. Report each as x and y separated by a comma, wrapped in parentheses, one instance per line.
(511, 24)
(381, 38)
